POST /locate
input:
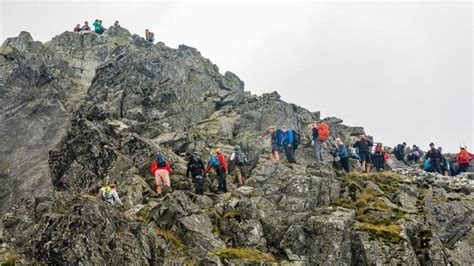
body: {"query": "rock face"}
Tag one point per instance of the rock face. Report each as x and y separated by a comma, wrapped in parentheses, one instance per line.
(84, 107)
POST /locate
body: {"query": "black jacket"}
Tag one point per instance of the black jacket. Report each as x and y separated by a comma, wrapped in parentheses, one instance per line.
(315, 133)
(195, 167)
(433, 154)
(363, 145)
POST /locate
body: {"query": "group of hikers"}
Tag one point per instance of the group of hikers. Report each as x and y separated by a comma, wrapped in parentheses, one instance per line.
(288, 140)
(99, 29)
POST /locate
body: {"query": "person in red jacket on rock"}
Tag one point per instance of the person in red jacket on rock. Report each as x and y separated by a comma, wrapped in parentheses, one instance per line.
(160, 169)
(463, 158)
(219, 163)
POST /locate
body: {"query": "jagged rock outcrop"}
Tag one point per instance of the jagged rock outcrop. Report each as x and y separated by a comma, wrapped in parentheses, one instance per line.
(95, 106)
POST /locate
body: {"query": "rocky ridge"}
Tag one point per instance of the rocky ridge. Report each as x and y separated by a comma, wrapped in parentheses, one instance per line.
(92, 106)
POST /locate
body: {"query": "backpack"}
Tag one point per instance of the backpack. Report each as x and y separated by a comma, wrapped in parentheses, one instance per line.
(161, 160)
(240, 159)
(427, 165)
(296, 139)
(280, 137)
(323, 132)
(214, 161)
(194, 163)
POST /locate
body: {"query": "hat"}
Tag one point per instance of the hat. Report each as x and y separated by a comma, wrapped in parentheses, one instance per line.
(462, 148)
(214, 151)
(431, 144)
(236, 147)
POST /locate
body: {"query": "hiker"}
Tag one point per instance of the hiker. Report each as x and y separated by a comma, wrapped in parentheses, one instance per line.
(86, 26)
(274, 157)
(414, 155)
(379, 158)
(160, 169)
(442, 162)
(320, 135)
(108, 193)
(399, 152)
(196, 169)
(219, 163)
(239, 159)
(98, 26)
(116, 23)
(288, 144)
(463, 158)
(149, 36)
(364, 145)
(343, 155)
(434, 158)
(77, 28)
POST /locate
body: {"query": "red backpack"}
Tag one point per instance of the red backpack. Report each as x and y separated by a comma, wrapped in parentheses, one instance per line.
(323, 132)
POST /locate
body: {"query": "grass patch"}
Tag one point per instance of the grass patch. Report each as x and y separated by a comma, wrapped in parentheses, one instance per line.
(232, 214)
(10, 261)
(390, 233)
(177, 243)
(244, 253)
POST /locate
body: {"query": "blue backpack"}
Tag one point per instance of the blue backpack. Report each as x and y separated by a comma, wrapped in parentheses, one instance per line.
(427, 165)
(280, 137)
(214, 161)
(161, 160)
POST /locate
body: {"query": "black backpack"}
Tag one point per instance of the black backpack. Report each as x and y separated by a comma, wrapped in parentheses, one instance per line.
(296, 139)
(240, 158)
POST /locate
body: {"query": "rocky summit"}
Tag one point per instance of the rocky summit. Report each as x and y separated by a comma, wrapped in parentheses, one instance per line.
(84, 107)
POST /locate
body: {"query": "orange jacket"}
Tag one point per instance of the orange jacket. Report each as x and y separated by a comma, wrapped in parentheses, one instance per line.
(463, 157)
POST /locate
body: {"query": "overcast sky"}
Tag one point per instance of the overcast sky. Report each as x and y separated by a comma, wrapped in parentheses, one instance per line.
(402, 70)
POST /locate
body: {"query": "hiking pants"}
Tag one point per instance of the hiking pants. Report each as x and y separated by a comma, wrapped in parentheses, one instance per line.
(222, 179)
(290, 155)
(378, 163)
(435, 166)
(463, 167)
(318, 150)
(162, 176)
(345, 164)
(199, 184)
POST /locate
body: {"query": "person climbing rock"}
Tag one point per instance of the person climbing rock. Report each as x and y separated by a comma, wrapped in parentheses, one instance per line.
(399, 152)
(239, 160)
(463, 158)
(414, 155)
(98, 26)
(434, 157)
(288, 144)
(77, 28)
(149, 36)
(343, 155)
(364, 145)
(196, 169)
(320, 135)
(379, 158)
(274, 157)
(160, 169)
(86, 26)
(108, 193)
(219, 163)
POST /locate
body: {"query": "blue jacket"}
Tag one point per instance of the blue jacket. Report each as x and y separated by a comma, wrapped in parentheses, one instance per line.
(342, 151)
(288, 137)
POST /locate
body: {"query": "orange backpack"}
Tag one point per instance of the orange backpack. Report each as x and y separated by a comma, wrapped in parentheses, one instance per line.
(323, 132)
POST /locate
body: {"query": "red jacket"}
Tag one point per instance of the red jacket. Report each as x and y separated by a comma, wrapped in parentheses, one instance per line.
(463, 157)
(222, 161)
(154, 167)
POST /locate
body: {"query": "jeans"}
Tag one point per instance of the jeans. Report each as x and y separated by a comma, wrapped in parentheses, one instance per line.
(345, 164)
(318, 150)
(222, 179)
(290, 156)
(435, 166)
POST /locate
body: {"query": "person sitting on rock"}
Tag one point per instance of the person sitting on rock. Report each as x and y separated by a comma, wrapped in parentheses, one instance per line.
(116, 23)
(108, 193)
(364, 145)
(160, 169)
(86, 26)
(343, 155)
(149, 36)
(288, 144)
(239, 160)
(219, 163)
(77, 28)
(196, 169)
(378, 158)
(399, 152)
(463, 158)
(434, 157)
(274, 157)
(98, 26)
(414, 155)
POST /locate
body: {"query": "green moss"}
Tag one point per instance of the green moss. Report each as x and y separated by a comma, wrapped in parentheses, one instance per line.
(10, 260)
(232, 214)
(177, 243)
(244, 253)
(390, 233)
